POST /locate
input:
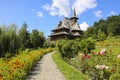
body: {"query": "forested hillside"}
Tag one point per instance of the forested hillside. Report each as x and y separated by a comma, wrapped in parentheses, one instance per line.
(104, 28)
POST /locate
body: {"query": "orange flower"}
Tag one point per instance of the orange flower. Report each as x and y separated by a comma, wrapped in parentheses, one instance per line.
(1, 77)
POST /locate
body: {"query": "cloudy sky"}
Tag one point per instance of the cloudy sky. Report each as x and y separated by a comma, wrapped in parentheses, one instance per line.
(44, 15)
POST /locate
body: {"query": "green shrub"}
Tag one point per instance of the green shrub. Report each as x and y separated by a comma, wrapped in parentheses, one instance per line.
(68, 49)
(87, 45)
(59, 45)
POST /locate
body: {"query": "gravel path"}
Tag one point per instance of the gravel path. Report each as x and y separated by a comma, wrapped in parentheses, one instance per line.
(46, 69)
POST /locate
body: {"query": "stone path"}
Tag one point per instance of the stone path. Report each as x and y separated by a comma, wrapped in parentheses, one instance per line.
(46, 69)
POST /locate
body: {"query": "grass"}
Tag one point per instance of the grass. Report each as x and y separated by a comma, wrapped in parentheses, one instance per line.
(109, 42)
(115, 50)
(68, 72)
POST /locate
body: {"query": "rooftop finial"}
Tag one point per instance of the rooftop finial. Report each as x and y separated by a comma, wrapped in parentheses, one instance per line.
(74, 13)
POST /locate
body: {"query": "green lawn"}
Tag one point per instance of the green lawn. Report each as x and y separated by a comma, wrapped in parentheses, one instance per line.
(68, 72)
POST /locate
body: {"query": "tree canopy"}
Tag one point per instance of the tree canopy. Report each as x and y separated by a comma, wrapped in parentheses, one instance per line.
(12, 39)
(108, 27)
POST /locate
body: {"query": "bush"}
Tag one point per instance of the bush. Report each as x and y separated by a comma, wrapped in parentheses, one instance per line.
(68, 49)
(59, 45)
(87, 45)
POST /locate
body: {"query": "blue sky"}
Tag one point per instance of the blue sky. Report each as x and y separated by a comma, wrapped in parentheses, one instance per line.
(44, 15)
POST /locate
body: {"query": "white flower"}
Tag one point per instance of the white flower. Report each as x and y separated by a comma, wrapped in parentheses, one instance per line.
(101, 67)
(119, 56)
(97, 67)
(106, 67)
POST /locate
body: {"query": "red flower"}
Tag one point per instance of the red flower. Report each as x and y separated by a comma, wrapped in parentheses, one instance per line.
(93, 53)
(88, 57)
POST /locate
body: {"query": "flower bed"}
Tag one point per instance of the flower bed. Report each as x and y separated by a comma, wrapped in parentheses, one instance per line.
(17, 67)
(102, 65)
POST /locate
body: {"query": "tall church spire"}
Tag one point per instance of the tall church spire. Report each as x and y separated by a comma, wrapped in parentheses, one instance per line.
(74, 13)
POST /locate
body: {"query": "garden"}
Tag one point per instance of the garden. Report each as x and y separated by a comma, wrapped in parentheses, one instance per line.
(97, 54)
(97, 60)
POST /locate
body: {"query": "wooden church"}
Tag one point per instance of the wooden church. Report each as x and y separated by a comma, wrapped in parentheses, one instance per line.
(68, 28)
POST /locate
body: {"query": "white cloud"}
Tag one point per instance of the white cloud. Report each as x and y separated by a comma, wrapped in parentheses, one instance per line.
(39, 14)
(63, 7)
(113, 13)
(98, 13)
(83, 5)
(58, 7)
(84, 26)
(53, 13)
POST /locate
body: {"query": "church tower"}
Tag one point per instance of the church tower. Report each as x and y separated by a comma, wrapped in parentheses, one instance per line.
(68, 28)
(74, 18)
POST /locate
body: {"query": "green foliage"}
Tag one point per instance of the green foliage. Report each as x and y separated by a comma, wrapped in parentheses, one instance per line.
(101, 35)
(109, 42)
(89, 32)
(52, 45)
(9, 40)
(24, 36)
(37, 39)
(86, 45)
(68, 49)
(110, 27)
(59, 45)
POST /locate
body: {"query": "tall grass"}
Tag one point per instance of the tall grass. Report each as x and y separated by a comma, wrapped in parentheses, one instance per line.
(109, 42)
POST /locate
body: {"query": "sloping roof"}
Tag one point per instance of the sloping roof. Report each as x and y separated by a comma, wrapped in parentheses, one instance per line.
(76, 34)
(63, 24)
(75, 27)
(60, 33)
